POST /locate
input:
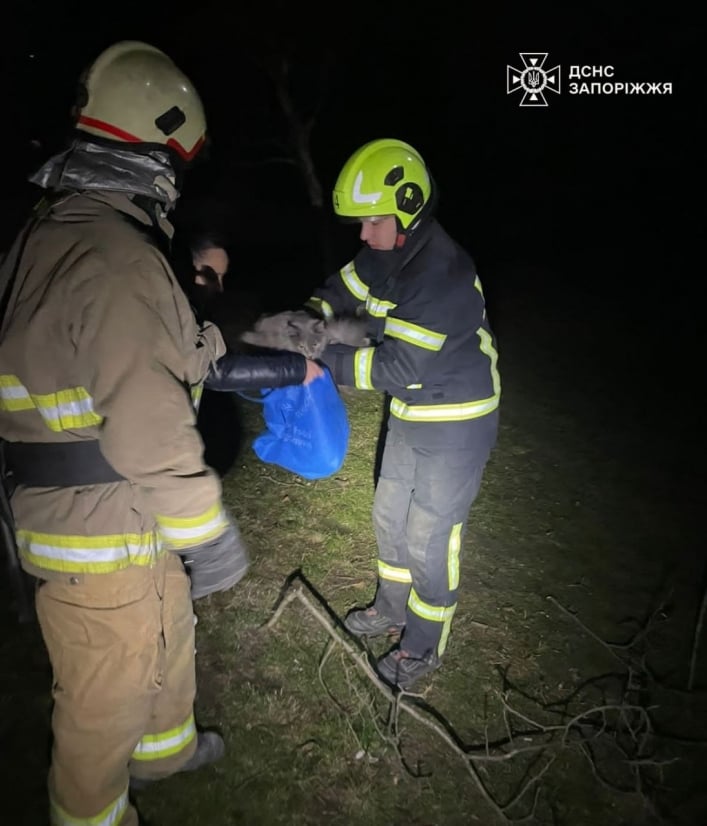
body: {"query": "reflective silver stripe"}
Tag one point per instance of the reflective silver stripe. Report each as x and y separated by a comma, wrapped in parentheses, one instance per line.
(453, 549)
(68, 409)
(442, 412)
(166, 743)
(320, 306)
(363, 364)
(183, 532)
(393, 574)
(378, 307)
(414, 334)
(110, 816)
(87, 554)
(353, 283)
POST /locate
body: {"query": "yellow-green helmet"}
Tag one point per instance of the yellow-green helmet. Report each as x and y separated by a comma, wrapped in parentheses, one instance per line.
(134, 94)
(383, 177)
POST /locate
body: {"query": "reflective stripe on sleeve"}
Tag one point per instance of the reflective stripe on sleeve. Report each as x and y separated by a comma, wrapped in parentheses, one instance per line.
(197, 391)
(69, 409)
(363, 364)
(185, 532)
(414, 334)
(320, 306)
(352, 282)
(378, 307)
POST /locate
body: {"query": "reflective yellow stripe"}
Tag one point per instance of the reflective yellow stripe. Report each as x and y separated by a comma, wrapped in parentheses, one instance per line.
(442, 412)
(453, 548)
(477, 285)
(87, 554)
(197, 391)
(414, 334)
(352, 282)
(393, 574)
(488, 349)
(379, 307)
(183, 532)
(445, 633)
(320, 306)
(363, 364)
(166, 743)
(14, 395)
(110, 816)
(68, 409)
(434, 613)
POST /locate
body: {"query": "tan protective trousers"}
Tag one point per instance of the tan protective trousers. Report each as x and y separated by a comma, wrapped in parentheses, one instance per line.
(122, 652)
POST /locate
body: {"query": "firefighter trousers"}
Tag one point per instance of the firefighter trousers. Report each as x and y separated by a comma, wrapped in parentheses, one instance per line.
(121, 647)
(421, 506)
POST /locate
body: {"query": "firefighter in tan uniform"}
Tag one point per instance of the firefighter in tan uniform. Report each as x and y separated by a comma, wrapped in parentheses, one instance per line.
(101, 361)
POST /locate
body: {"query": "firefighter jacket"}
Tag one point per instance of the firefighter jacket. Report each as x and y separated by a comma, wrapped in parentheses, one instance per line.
(434, 352)
(99, 346)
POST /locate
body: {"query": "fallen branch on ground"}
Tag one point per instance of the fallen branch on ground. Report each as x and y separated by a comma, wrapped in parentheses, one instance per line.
(544, 742)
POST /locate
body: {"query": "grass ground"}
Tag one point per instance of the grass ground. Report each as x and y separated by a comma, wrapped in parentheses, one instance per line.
(579, 510)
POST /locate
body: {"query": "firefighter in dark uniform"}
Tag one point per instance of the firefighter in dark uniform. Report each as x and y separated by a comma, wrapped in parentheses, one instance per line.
(435, 357)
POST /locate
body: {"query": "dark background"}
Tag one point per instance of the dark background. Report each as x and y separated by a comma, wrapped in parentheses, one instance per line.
(596, 190)
(585, 217)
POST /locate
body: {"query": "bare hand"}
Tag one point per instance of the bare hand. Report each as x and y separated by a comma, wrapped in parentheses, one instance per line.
(314, 371)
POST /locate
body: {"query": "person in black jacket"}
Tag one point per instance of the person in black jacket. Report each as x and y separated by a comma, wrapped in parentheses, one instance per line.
(202, 260)
(434, 355)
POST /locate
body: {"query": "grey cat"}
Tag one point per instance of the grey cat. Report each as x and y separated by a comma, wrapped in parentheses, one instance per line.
(298, 331)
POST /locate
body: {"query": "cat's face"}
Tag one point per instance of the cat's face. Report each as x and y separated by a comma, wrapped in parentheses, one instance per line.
(308, 337)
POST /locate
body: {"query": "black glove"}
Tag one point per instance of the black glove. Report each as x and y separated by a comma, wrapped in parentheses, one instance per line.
(218, 564)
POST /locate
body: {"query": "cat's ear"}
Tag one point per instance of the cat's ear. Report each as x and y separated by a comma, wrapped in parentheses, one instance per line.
(319, 325)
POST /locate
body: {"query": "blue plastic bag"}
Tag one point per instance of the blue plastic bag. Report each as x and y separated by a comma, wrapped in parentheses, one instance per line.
(307, 428)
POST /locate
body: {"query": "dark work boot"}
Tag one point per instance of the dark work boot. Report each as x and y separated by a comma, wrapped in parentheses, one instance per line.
(209, 748)
(398, 668)
(367, 622)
